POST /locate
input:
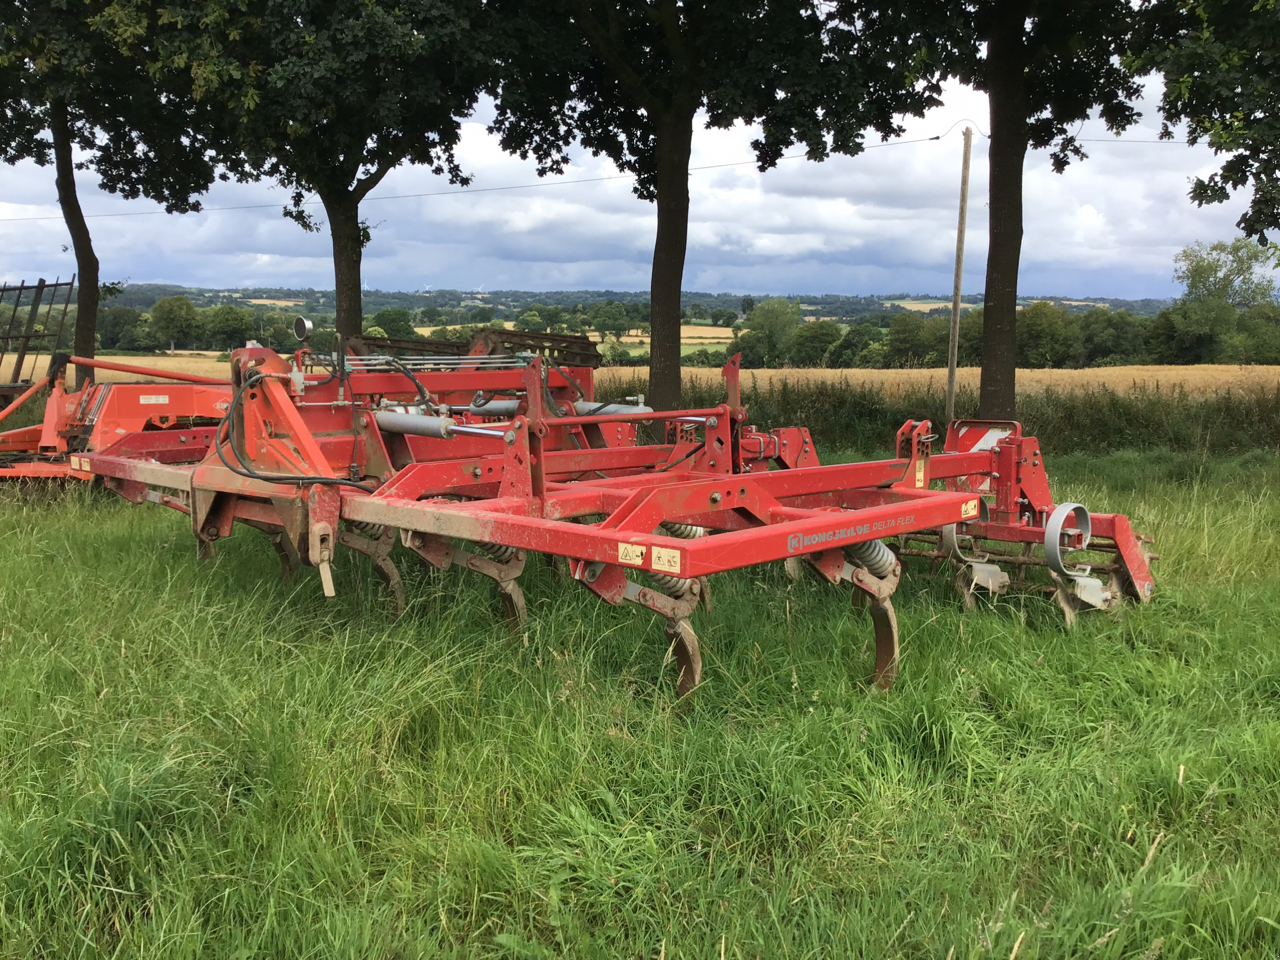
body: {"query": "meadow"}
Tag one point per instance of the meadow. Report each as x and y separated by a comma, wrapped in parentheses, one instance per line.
(199, 760)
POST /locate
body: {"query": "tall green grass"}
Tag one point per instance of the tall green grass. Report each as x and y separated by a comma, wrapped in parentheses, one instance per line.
(197, 760)
(1097, 420)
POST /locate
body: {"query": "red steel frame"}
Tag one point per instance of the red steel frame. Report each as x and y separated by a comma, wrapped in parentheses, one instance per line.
(577, 485)
(99, 414)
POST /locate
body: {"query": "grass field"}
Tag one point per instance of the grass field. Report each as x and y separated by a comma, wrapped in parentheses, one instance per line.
(197, 760)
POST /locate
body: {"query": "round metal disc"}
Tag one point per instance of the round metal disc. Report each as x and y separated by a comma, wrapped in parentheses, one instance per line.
(1053, 534)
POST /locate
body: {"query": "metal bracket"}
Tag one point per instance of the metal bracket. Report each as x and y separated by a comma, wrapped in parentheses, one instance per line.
(1076, 592)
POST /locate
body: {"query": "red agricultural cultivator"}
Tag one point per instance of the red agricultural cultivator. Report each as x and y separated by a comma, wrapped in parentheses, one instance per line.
(99, 414)
(478, 459)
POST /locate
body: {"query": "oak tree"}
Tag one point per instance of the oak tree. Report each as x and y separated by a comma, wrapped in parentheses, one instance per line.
(1046, 67)
(69, 97)
(326, 96)
(1220, 60)
(629, 79)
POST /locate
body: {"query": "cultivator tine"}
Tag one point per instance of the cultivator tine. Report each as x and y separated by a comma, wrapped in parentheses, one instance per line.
(376, 542)
(885, 623)
(972, 573)
(1020, 572)
(987, 577)
(287, 553)
(503, 565)
(683, 646)
(514, 609)
(1074, 588)
(875, 572)
(610, 583)
(704, 593)
(289, 559)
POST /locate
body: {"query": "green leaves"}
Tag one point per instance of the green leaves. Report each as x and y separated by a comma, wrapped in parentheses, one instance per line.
(1221, 65)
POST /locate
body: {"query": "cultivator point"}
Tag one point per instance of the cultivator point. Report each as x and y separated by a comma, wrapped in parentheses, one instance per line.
(477, 459)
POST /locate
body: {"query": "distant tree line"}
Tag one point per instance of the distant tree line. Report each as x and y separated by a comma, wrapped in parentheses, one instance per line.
(1227, 314)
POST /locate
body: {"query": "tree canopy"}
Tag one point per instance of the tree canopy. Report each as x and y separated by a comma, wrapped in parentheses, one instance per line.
(627, 80)
(1045, 67)
(1240, 273)
(1220, 60)
(324, 98)
(69, 97)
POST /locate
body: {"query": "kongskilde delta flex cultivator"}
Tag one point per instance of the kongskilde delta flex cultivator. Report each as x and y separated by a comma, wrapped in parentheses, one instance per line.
(477, 460)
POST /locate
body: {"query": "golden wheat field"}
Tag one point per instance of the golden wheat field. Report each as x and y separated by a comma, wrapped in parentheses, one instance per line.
(1199, 380)
(200, 363)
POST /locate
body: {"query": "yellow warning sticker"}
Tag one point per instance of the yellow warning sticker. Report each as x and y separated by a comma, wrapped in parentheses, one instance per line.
(969, 510)
(631, 554)
(919, 473)
(668, 561)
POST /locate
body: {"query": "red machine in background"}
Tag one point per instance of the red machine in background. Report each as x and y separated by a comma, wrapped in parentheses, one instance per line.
(78, 422)
(479, 459)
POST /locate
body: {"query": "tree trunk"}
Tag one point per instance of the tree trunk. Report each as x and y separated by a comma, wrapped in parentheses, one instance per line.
(672, 147)
(1007, 94)
(86, 260)
(343, 211)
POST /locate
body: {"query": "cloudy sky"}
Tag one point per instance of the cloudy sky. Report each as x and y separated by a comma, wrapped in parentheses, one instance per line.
(883, 222)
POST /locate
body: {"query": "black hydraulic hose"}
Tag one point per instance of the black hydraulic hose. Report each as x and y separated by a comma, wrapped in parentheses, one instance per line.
(327, 367)
(248, 472)
(668, 466)
(572, 382)
(423, 398)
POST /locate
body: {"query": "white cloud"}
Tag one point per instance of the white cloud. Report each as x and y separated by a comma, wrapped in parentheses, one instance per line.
(881, 222)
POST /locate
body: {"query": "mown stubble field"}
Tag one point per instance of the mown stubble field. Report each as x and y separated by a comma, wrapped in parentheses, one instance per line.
(201, 761)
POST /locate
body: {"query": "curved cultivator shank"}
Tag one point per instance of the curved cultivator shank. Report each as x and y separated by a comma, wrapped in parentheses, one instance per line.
(479, 459)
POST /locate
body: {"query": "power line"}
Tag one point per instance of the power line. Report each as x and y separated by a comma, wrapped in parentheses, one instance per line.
(537, 184)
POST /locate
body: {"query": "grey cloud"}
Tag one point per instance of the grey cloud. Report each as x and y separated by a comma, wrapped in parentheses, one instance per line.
(883, 221)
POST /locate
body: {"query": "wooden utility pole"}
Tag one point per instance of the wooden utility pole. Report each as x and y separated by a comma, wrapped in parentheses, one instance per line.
(953, 348)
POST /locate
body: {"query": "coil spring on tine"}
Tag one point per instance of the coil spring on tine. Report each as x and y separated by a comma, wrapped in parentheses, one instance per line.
(674, 586)
(496, 551)
(873, 555)
(373, 531)
(685, 531)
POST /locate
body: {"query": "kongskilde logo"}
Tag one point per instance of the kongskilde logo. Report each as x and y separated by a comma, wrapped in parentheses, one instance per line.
(797, 542)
